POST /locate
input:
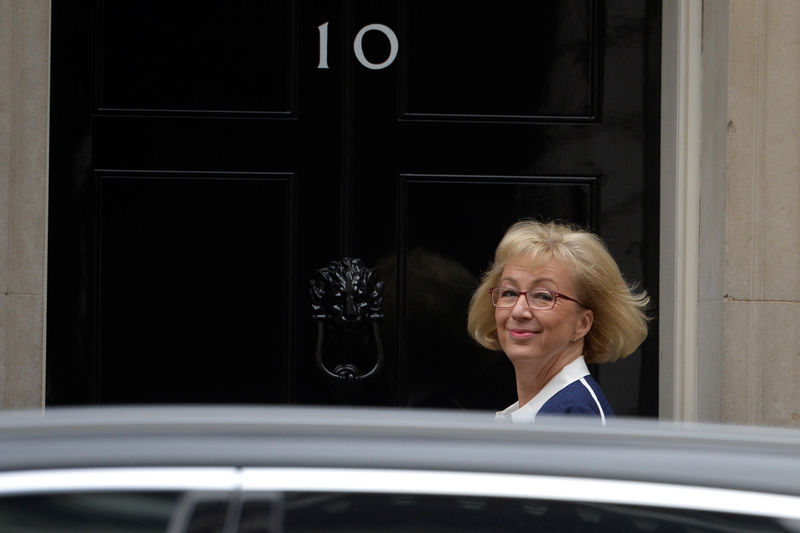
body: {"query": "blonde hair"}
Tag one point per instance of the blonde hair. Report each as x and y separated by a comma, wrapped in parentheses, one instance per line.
(620, 322)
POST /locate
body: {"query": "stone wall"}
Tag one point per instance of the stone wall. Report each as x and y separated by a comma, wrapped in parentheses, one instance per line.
(761, 366)
(24, 74)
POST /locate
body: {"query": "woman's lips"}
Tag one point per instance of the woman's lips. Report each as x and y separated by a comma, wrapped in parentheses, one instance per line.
(521, 333)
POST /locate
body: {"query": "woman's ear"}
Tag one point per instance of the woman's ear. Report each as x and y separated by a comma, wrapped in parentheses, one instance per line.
(584, 324)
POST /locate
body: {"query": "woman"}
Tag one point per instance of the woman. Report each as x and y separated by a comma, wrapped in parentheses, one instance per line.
(553, 301)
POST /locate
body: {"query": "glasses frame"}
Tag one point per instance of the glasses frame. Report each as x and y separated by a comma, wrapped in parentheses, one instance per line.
(556, 296)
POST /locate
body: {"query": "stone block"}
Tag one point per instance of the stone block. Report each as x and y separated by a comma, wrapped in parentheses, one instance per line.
(26, 180)
(21, 351)
(762, 363)
(763, 198)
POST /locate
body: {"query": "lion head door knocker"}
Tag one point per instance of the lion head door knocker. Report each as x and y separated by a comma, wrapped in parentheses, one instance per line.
(347, 303)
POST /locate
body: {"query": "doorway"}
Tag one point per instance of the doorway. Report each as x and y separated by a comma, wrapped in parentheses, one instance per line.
(207, 159)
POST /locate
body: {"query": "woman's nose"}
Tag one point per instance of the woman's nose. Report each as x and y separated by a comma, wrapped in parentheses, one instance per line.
(521, 308)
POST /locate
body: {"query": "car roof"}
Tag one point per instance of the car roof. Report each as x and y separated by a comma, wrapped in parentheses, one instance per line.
(711, 455)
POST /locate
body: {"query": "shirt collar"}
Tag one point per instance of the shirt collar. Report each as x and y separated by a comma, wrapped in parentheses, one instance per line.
(527, 413)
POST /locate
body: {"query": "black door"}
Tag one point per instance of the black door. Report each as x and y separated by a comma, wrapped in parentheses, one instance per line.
(207, 158)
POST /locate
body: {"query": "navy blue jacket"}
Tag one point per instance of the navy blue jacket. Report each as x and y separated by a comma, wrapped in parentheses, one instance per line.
(575, 398)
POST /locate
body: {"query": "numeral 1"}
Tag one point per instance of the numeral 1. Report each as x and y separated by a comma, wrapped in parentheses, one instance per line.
(323, 46)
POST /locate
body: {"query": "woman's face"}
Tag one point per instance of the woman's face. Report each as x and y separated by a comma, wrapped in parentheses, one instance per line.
(541, 336)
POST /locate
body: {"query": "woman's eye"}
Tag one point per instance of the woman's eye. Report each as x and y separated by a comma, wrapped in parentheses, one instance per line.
(542, 296)
(509, 293)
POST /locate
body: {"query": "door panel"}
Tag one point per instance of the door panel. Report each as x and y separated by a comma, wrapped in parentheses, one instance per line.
(509, 60)
(191, 57)
(451, 222)
(207, 159)
(171, 296)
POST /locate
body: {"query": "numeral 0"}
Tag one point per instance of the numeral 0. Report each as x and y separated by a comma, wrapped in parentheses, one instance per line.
(357, 48)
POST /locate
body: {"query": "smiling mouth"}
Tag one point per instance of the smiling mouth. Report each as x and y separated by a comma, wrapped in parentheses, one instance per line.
(521, 333)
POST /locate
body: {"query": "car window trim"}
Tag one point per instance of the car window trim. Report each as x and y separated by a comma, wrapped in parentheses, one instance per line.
(404, 481)
(119, 479)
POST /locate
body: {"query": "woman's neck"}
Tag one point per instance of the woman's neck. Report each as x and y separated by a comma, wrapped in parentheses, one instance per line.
(532, 376)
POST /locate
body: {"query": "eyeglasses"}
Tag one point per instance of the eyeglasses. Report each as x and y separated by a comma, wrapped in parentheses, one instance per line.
(541, 299)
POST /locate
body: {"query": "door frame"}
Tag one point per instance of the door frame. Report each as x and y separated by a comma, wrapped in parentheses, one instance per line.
(693, 189)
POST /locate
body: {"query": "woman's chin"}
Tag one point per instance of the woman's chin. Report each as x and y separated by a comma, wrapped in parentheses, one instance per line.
(522, 355)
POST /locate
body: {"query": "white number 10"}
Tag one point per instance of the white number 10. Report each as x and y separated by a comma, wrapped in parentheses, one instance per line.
(357, 48)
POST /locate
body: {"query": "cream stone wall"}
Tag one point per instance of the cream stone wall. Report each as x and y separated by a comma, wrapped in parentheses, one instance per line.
(761, 348)
(24, 74)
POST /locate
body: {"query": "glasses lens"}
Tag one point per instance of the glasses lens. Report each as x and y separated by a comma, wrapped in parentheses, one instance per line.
(541, 299)
(503, 297)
